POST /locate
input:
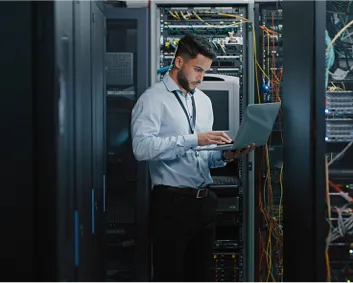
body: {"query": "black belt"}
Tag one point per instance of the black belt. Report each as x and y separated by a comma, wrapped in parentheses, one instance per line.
(198, 193)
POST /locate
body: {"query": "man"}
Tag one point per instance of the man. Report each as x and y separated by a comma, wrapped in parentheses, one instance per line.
(168, 121)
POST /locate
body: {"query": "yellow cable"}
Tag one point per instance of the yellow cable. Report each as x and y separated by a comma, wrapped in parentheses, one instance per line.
(234, 16)
(338, 35)
(269, 248)
(264, 73)
(328, 239)
(216, 26)
(174, 16)
(268, 54)
(281, 188)
(182, 14)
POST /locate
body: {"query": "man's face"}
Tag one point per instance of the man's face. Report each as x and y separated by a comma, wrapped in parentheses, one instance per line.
(191, 72)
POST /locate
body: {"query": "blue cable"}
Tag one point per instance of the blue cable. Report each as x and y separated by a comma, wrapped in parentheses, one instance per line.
(164, 69)
(329, 58)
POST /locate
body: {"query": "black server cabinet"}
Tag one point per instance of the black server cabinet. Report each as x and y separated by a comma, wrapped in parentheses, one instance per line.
(89, 105)
(80, 46)
(45, 154)
(28, 142)
(127, 197)
(83, 141)
(305, 227)
(98, 109)
(37, 141)
(53, 160)
(67, 220)
(83, 134)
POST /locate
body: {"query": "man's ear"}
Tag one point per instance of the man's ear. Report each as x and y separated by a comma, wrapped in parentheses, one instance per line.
(178, 62)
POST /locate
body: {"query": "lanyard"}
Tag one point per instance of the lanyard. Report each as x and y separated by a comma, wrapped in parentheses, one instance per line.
(186, 113)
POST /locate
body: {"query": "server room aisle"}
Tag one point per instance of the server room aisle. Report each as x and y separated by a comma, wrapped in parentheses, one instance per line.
(75, 202)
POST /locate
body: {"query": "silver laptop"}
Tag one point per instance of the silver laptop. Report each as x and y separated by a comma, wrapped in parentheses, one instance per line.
(255, 128)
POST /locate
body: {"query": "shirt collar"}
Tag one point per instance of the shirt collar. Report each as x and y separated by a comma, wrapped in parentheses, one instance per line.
(171, 85)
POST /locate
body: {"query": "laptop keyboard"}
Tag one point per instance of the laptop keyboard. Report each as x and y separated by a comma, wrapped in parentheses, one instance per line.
(230, 143)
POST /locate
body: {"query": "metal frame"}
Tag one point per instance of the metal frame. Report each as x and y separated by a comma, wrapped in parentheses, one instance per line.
(83, 134)
(256, 153)
(68, 222)
(248, 92)
(321, 227)
(98, 110)
(304, 141)
(248, 167)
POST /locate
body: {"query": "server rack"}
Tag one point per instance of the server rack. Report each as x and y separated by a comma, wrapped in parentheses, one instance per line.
(52, 116)
(338, 114)
(80, 58)
(269, 159)
(239, 244)
(305, 228)
(127, 181)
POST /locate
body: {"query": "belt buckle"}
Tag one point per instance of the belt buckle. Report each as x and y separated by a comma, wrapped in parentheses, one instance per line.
(198, 193)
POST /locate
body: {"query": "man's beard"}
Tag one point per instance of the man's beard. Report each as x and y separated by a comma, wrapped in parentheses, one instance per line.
(184, 82)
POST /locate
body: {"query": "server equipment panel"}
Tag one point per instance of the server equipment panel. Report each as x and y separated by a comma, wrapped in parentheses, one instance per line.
(269, 160)
(339, 138)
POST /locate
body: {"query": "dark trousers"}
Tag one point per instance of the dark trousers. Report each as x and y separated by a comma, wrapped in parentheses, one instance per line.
(183, 233)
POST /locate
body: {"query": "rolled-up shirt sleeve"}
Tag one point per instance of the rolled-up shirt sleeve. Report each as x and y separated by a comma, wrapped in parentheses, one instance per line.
(215, 159)
(145, 126)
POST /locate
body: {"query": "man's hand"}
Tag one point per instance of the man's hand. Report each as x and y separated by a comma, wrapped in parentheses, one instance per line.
(213, 138)
(229, 154)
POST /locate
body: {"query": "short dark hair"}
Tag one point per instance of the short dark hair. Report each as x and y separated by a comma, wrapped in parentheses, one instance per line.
(191, 45)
